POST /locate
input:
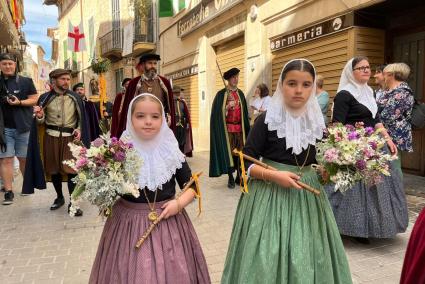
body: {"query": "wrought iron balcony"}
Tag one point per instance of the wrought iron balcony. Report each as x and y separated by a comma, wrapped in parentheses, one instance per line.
(111, 45)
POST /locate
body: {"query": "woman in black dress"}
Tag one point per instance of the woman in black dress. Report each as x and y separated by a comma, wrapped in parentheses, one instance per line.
(366, 212)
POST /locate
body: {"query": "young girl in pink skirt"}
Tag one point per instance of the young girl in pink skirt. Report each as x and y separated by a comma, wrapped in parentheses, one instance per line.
(172, 252)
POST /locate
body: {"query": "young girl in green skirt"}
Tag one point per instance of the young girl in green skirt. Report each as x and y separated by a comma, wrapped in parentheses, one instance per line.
(283, 233)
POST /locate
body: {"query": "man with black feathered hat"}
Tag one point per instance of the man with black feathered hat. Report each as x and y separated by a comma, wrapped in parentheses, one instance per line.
(148, 82)
(59, 118)
(229, 126)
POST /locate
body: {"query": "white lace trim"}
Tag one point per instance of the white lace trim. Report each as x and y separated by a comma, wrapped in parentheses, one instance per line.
(161, 156)
(299, 130)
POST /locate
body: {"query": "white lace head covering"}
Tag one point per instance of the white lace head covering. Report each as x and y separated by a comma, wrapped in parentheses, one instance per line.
(161, 156)
(299, 129)
(361, 92)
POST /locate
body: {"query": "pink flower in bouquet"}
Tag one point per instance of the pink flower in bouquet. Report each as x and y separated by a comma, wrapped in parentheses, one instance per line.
(119, 156)
(81, 163)
(331, 155)
(83, 151)
(350, 128)
(368, 153)
(98, 142)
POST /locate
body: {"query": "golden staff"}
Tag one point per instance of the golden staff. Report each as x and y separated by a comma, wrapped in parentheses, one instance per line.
(194, 179)
(264, 165)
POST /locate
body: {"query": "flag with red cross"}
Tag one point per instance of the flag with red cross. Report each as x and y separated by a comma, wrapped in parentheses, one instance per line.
(76, 38)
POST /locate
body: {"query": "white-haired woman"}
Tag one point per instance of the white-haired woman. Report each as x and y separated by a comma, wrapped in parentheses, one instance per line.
(395, 107)
(366, 212)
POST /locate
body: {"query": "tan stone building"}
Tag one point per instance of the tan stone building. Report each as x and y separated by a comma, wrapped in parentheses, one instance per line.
(36, 67)
(104, 23)
(12, 39)
(259, 37)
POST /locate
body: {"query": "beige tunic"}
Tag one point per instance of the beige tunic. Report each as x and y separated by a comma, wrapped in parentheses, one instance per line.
(62, 112)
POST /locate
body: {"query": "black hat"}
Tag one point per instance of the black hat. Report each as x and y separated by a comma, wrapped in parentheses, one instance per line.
(177, 89)
(125, 81)
(78, 85)
(149, 56)
(59, 72)
(229, 73)
(7, 56)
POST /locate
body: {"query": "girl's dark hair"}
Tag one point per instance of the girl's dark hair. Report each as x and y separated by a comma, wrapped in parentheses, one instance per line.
(299, 65)
(357, 59)
(264, 90)
(380, 68)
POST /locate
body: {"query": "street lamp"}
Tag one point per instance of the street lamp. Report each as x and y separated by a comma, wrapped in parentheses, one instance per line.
(22, 45)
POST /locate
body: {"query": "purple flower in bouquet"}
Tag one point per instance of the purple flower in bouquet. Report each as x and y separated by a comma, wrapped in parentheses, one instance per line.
(100, 161)
(373, 145)
(369, 130)
(361, 164)
(353, 136)
(98, 142)
(81, 163)
(119, 156)
(331, 155)
(368, 153)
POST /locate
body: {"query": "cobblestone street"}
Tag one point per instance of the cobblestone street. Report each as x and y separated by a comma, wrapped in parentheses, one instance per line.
(43, 246)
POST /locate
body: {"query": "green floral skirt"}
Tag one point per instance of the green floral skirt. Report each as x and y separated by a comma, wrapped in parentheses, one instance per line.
(285, 236)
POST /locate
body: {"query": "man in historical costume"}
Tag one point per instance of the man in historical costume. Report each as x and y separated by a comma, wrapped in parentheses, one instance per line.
(148, 82)
(183, 126)
(59, 118)
(92, 114)
(229, 128)
(117, 107)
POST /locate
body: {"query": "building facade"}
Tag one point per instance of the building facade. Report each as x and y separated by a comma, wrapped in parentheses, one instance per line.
(259, 37)
(12, 39)
(113, 30)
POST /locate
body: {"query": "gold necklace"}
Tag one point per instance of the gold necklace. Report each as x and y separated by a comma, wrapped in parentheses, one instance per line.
(153, 215)
(305, 161)
(150, 87)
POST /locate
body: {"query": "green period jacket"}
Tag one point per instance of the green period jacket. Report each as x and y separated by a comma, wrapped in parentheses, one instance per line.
(220, 153)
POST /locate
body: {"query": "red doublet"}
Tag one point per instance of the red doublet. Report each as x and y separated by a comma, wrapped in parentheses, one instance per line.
(234, 114)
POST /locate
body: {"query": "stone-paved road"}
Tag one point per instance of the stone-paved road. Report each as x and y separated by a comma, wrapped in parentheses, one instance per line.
(41, 246)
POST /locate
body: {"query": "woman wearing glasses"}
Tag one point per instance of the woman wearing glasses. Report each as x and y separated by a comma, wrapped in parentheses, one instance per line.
(366, 212)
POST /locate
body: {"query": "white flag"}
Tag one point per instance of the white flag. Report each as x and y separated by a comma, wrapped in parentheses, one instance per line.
(76, 38)
(128, 40)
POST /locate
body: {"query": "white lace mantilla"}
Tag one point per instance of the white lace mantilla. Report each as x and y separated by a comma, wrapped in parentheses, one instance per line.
(161, 156)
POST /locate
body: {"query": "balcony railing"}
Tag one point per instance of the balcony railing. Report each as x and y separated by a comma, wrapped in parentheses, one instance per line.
(111, 44)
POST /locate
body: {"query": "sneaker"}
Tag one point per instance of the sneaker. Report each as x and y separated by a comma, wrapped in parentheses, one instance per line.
(58, 203)
(8, 198)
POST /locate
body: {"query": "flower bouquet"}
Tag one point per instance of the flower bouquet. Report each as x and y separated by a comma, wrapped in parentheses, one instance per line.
(105, 171)
(349, 154)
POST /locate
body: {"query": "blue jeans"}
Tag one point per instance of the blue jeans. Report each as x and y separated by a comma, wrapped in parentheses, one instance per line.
(17, 144)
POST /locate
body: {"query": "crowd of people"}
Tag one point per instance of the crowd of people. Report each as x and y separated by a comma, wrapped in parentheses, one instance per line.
(293, 237)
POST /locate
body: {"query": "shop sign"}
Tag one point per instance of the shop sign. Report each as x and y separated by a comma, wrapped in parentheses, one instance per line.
(189, 71)
(202, 13)
(312, 32)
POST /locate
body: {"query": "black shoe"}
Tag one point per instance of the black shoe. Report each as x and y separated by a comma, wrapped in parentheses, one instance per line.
(364, 241)
(231, 182)
(58, 203)
(8, 198)
(78, 212)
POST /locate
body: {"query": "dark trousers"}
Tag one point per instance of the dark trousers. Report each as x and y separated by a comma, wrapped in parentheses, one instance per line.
(181, 137)
(57, 184)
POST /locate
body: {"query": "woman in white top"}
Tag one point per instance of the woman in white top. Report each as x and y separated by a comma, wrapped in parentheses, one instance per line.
(260, 101)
